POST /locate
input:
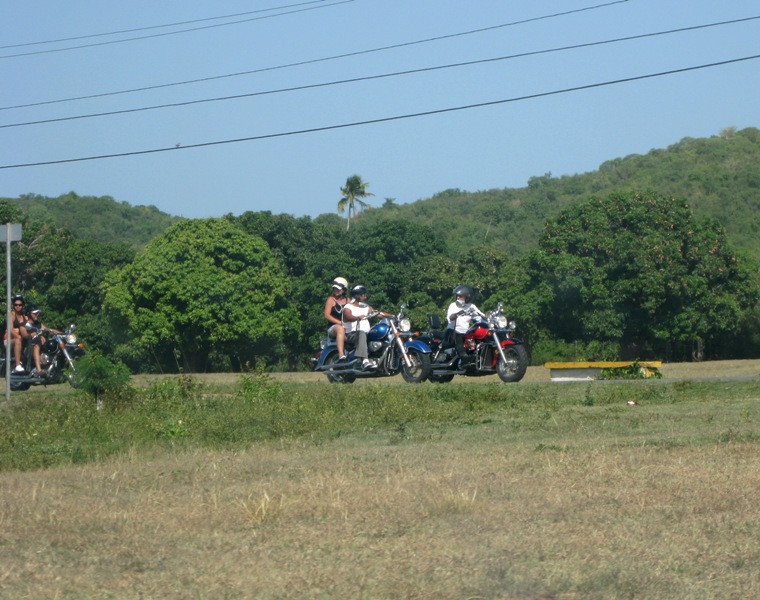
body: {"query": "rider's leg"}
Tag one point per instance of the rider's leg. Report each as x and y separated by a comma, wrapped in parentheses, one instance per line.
(340, 339)
(339, 333)
(16, 341)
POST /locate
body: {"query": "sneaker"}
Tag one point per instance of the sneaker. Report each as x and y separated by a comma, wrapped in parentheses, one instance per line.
(368, 364)
(19, 369)
(33, 373)
(342, 357)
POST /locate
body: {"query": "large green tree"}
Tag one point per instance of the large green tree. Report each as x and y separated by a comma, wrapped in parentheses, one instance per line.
(354, 193)
(205, 284)
(638, 268)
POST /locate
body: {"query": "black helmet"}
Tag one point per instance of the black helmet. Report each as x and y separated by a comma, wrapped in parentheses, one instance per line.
(33, 308)
(464, 291)
(358, 290)
(16, 298)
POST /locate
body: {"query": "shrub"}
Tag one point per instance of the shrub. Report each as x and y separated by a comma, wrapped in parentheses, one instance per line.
(102, 378)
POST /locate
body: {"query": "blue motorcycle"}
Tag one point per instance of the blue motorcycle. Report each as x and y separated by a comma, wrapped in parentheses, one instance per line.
(391, 351)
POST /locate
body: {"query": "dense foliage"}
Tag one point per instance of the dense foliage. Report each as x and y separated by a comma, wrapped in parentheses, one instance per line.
(639, 269)
(203, 289)
(591, 266)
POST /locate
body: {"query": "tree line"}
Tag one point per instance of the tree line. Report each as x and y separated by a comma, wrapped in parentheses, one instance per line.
(631, 275)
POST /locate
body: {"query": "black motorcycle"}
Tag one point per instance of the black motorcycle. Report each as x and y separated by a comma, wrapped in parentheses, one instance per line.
(490, 347)
(57, 352)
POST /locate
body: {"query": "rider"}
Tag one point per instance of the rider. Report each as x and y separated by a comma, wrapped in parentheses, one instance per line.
(356, 317)
(37, 339)
(18, 333)
(334, 314)
(458, 316)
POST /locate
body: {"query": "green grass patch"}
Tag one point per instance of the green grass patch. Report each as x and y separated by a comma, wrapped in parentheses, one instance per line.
(183, 413)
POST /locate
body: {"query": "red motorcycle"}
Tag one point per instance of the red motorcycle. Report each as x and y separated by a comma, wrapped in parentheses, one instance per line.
(489, 343)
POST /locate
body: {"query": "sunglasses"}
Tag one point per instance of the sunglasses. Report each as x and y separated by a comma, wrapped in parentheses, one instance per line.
(17, 304)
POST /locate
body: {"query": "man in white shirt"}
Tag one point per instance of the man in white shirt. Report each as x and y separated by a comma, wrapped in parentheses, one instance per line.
(458, 317)
(356, 317)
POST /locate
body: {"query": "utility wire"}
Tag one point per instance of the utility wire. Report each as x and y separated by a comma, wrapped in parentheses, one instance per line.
(323, 59)
(371, 77)
(148, 28)
(155, 35)
(385, 119)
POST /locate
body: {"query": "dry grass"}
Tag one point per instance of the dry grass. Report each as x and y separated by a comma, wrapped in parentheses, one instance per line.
(472, 513)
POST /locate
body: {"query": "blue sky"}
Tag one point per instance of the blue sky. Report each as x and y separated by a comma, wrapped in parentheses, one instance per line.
(296, 45)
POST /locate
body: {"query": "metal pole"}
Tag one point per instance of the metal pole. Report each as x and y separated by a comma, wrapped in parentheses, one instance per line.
(8, 311)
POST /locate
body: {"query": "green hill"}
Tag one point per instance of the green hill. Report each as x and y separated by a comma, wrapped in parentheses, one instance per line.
(101, 219)
(718, 176)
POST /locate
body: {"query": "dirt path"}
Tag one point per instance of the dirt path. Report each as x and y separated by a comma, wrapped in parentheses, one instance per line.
(722, 368)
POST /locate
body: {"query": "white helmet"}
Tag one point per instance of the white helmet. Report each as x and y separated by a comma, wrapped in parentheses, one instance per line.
(340, 282)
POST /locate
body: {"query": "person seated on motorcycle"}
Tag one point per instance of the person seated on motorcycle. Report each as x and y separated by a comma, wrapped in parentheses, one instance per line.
(334, 314)
(458, 317)
(19, 334)
(356, 317)
(37, 340)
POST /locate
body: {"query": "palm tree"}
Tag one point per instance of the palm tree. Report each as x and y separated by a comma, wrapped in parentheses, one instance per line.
(353, 192)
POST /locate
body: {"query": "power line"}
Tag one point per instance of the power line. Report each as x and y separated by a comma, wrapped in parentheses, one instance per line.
(385, 119)
(323, 59)
(167, 33)
(94, 35)
(381, 76)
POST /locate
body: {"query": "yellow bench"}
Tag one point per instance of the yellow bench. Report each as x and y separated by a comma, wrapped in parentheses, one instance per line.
(588, 371)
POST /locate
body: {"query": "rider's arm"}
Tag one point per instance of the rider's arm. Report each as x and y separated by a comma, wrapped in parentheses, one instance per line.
(453, 312)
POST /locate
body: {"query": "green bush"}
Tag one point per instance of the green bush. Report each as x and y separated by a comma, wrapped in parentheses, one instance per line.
(102, 378)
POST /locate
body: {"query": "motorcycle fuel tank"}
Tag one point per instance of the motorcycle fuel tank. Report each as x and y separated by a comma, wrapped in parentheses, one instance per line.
(378, 331)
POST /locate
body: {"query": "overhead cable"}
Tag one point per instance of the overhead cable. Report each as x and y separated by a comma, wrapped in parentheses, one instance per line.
(318, 60)
(148, 28)
(371, 77)
(384, 119)
(166, 33)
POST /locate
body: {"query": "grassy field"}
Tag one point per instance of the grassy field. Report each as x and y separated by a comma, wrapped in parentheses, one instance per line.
(270, 488)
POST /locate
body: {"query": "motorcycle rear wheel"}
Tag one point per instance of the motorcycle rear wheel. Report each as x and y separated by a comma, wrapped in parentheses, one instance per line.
(515, 367)
(338, 377)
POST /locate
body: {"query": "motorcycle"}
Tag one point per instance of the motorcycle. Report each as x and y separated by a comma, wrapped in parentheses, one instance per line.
(391, 348)
(489, 343)
(56, 353)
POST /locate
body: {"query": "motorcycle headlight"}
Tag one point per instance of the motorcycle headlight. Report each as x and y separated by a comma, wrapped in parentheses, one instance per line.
(71, 339)
(501, 321)
(404, 325)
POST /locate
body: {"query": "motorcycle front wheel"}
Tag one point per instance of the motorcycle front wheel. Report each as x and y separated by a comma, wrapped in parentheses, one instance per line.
(515, 367)
(337, 377)
(420, 369)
